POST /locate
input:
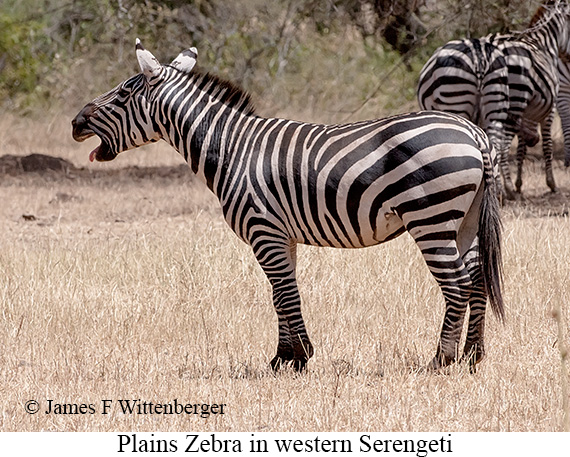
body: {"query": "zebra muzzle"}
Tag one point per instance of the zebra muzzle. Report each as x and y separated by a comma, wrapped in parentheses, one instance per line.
(80, 124)
(82, 131)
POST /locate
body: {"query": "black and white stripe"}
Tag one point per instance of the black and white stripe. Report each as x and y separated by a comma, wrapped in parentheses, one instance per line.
(563, 103)
(282, 182)
(530, 59)
(563, 108)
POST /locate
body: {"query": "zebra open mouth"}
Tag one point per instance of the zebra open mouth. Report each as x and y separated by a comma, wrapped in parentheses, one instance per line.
(102, 153)
(83, 130)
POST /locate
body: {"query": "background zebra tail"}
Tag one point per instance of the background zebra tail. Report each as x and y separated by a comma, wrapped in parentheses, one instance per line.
(489, 234)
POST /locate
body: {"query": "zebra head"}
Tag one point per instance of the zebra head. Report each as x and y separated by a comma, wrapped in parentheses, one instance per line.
(123, 117)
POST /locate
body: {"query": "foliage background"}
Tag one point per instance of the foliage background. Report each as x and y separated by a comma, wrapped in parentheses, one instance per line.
(318, 59)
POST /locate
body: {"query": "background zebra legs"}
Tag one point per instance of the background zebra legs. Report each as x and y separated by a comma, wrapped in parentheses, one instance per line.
(499, 133)
(503, 153)
(547, 150)
(565, 121)
(563, 106)
(278, 261)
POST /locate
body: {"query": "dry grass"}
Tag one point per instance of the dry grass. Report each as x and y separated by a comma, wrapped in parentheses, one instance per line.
(135, 288)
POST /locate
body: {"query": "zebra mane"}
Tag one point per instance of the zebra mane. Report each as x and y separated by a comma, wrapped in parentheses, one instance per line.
(224, 91)
(541, 14)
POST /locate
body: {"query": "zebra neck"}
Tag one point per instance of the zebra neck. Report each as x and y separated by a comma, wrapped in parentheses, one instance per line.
(206, 139)
(552, 37)
(199, 114)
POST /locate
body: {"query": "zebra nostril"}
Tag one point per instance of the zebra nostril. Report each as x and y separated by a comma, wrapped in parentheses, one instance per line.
(78, 123)
(83, 116)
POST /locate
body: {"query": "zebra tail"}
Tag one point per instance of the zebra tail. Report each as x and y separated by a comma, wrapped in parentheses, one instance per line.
(489, 234)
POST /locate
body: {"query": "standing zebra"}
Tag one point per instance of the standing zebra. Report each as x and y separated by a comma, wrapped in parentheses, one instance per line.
(530, 59)
(282, 182)
(563, 108)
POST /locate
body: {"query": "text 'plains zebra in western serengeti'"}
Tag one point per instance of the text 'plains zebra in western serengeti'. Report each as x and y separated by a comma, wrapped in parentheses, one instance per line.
(282, 182)
(468, 77)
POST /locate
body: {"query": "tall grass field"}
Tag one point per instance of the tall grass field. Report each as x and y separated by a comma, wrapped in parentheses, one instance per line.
(121, 281)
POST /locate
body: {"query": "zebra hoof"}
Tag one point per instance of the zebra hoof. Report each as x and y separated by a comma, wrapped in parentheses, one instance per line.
(473, 355)
(296, 356)
(510, 194)
(277, 363)
(281, 359)
(440, 361)
(435, 367)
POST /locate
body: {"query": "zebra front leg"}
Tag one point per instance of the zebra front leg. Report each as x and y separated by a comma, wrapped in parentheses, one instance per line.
(278, 260)
(294, 345)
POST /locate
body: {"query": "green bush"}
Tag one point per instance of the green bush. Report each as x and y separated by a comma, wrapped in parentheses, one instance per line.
(286, 52)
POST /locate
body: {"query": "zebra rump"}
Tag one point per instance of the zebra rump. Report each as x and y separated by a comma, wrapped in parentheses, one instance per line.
(506, 83)
(281, 182)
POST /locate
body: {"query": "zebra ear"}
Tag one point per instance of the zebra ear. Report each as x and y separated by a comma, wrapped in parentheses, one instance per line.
(185, 60)
(149, 64)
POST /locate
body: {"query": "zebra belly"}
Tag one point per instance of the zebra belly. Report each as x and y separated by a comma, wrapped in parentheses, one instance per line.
(388, 226)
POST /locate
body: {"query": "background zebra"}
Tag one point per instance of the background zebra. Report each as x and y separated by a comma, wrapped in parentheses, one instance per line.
(282, 182)
(563, 103)
(530, 59)
(563, 108)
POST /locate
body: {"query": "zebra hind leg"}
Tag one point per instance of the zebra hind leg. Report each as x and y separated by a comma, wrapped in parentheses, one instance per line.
(528, 137)
(446, 265)
(506, 173)
(474, 350)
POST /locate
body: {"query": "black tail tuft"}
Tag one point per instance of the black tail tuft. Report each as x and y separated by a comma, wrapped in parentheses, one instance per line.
(490, 256)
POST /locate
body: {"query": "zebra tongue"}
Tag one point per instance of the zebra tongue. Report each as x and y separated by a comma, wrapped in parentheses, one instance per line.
(93, 153)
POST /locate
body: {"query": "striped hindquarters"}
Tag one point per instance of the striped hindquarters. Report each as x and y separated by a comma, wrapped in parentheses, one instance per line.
(466, 77)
